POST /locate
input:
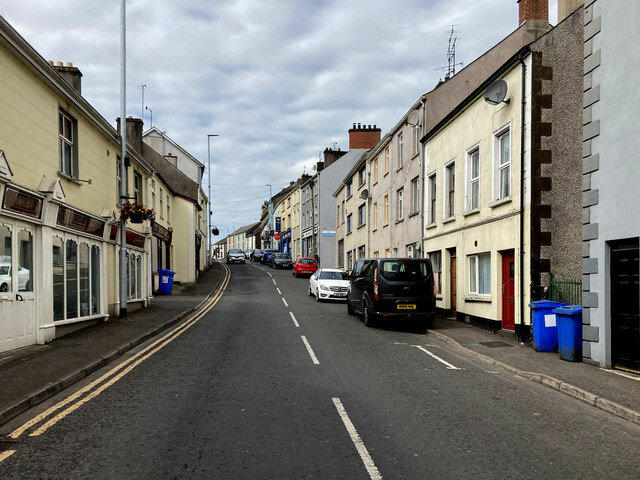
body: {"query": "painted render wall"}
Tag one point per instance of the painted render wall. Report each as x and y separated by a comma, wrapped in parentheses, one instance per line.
(610, 166)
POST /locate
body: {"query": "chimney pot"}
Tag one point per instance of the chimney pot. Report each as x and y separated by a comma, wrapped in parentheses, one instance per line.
(59, 63)
(50, 62)
(69, 64)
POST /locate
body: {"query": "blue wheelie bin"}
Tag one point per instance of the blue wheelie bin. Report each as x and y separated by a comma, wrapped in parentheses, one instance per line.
(569, 332)
(545, 330)
(166, 281)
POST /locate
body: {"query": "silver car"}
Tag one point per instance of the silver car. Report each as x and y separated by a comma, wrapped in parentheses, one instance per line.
(235, 255)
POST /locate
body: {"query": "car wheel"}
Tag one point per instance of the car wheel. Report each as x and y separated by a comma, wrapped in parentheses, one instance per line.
(367, 316)
(310, 292)
(4, 287)
(317, 295)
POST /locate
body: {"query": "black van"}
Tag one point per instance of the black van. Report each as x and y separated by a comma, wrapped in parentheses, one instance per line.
(392, 288)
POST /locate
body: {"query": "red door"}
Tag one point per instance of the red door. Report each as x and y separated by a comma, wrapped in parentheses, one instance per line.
(454, 285)
(508, 293)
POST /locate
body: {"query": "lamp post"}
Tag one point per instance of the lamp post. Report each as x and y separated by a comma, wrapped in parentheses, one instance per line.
(209, 199)
(270, 221)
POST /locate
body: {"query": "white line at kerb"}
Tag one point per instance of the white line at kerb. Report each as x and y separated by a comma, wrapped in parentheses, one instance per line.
(295, 322)
(449, 366)
(310, 350)
(285, 302)
(374, 474)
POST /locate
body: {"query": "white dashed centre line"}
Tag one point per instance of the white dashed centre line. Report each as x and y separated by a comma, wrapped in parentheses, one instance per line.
(295, 322)
(274, 282)
(310, 350)
(285, 302)
(278, 290)
(374, 474)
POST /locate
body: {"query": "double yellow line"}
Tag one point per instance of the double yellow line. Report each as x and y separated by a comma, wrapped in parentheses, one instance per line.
(95, 388)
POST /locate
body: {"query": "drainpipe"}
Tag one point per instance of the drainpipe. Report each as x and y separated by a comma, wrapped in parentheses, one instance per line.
(522, 160)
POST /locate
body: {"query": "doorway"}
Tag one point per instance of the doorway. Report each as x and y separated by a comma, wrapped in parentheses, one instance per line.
(625, 305)
(453, 284)
(508, 291)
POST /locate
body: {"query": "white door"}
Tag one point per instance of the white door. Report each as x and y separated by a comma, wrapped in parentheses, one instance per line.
(17, 298)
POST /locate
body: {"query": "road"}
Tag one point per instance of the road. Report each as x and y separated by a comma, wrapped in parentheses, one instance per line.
(270, 384)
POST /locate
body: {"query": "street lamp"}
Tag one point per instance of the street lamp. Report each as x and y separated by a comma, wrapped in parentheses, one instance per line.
(209, 199)
(270, 211)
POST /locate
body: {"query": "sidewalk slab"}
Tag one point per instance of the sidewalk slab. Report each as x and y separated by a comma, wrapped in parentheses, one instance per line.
(38, 372)
(605, 389)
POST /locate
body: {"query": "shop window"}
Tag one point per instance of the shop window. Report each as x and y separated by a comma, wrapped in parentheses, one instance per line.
(6, 259)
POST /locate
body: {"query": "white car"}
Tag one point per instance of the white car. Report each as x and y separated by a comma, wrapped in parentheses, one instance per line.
(329, 283)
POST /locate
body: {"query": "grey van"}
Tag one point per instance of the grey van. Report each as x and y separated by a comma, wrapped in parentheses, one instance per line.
(393, 289)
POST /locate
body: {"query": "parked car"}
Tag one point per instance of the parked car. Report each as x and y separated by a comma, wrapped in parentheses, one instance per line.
(280, 260)
(329, 283)
(256, 255)
(393, 289)
(247, 253)
(235, 255)
(266, 255)
(305, 266)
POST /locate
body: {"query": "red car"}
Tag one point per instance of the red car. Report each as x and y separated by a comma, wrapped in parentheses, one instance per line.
(305, 266)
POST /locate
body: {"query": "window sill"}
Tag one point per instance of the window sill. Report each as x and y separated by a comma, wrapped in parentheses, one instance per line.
(70, 178)
(363, 225)
(374, 229)
(350, 196)
(413, 214)
(439, 297)
(385, 225)
(361, 185)
(415, 155)
(399, 168)
(478, 298)
(431, 225)
(471, 212)
(449, 220)
(386, 173)
(349, 233)
(500, 202)
(400, 220)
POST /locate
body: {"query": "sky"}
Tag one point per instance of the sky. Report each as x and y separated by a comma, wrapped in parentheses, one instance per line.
(278, 80)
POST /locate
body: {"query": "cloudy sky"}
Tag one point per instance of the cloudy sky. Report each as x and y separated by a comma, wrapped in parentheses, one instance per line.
(278, 80)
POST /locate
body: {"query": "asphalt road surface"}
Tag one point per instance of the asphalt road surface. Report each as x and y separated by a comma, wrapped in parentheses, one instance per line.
(270, 384)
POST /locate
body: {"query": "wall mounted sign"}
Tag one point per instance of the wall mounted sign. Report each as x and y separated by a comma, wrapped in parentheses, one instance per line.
(80, 222)
(21, 202)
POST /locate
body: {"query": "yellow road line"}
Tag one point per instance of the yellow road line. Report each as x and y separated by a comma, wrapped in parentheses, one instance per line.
(160, 343)
(5, 455)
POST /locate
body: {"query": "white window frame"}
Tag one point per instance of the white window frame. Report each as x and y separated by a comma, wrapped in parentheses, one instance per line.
(498, 167)
(67, 142)
(349, 223)
(362, 176)
(436, 264)
(400, 149)
(362, 215)
(400, 203)
(471, 180)
(415, 195)
(474, 263)
(449, 189)
(433, 198)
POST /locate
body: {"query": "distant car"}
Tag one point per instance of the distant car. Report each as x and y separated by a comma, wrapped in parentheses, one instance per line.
(247, 253)
(329, 284)
(235, 255)
(393, 289)
(23, 279)
(266, 255)
(280, 260)
(256, 255)
(305, 266)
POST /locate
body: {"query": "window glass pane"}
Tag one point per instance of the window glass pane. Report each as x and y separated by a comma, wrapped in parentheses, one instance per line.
(25, 261)
(138, 276)
(505, 182)
(505, 149)
(475, 165)
(484, 276)
(473, 271)
(6, 257)
(83, 262)
(95, 279)
(71, 267)
(475, 194)
(58, 278)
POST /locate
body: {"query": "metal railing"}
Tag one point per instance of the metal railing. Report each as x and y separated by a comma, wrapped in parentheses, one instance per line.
(567, 291)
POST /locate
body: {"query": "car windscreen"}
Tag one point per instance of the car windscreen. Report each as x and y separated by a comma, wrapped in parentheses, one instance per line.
(307, 261)
(257, 251)
(334, 276)
(280, 255)
(236, 250)
(405, 270)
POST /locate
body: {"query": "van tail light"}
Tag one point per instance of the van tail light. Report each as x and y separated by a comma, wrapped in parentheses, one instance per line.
(375, 284)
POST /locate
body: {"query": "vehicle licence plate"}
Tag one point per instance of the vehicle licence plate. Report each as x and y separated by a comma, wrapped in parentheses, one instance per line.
(340, 294)
(406, 306)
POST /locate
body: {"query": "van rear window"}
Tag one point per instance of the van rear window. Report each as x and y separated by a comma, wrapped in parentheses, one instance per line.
(405, 270)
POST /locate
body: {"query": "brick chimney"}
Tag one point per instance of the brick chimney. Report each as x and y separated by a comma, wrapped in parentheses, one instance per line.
(71, 74)
(363, 136)
(533, 10)
(331, 156)
(134, 132)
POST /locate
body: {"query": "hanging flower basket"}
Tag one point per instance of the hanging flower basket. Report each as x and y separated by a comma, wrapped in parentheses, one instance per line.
(136, 213)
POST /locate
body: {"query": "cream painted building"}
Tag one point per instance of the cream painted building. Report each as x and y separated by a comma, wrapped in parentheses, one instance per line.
(352, 230)
(59, 219)
(472, 208)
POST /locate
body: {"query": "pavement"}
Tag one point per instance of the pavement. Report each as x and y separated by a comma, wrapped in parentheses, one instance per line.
(31, 375)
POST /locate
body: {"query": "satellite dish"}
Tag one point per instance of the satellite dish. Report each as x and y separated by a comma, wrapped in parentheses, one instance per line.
(496, 92)
(364, 194)
(413, 118)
